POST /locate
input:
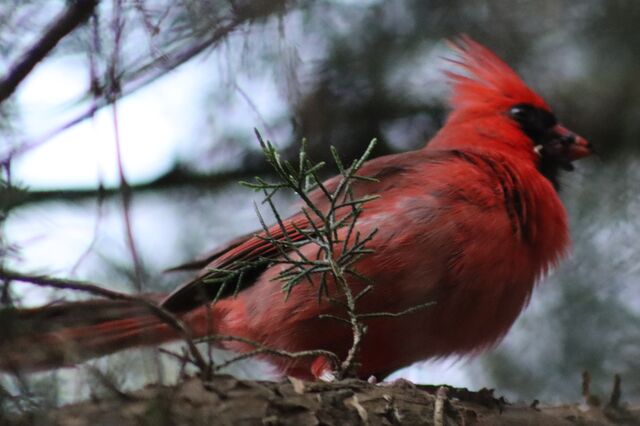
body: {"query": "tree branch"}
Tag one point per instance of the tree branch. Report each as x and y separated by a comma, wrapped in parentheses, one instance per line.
(76, 13)
(177, 177)
(157, 310)
(157, 68)
(192, 402)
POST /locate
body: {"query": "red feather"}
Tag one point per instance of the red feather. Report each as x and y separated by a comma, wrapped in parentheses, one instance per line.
(490, 86)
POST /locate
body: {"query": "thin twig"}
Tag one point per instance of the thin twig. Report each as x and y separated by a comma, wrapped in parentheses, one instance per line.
(94, 240)
(253, 107)
(407, 311)
(184, 359)
(109, 385)
(113, 92)
(334, 317)
(263, 349)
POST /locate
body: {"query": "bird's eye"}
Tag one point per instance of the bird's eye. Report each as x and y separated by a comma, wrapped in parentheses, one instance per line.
(520, 113)
(532, 118)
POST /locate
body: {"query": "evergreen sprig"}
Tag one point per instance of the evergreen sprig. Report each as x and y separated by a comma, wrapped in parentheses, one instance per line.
(339, 209)
(323, 225)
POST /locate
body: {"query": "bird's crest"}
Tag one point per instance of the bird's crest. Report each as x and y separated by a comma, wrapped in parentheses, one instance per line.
(487, 81)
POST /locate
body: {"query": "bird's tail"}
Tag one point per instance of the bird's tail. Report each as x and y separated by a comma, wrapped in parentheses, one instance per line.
(65, 334)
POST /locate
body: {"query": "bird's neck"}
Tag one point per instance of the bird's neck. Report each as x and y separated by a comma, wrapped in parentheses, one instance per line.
(532, 203)
(539, 219)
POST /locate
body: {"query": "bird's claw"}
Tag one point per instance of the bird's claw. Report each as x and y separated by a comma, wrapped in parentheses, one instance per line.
(327, 376)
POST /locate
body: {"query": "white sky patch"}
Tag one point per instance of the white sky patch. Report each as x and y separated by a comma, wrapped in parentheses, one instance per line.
(152, 123)
(449, 370)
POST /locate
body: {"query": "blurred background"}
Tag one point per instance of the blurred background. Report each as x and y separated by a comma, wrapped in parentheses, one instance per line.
(193, 78)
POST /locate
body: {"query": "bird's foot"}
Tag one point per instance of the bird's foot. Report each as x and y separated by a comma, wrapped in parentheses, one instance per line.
(327, 376)
(322, 369)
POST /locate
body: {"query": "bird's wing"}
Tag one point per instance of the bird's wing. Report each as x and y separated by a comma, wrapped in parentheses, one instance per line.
(244, 250)
(236, 257)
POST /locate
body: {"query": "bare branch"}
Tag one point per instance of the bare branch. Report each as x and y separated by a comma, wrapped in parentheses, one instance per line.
(157, 68)
(262, 349)
(407, 311)
(67, 284)
(76, 13)
(334, 317)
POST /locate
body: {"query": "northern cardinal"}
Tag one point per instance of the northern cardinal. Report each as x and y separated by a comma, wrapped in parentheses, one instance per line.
(471, 222)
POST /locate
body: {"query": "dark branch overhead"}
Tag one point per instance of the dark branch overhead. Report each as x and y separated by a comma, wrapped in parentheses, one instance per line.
(76, 13)
(175, 178)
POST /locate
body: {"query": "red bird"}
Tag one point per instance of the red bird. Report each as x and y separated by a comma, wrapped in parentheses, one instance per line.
(470, 222)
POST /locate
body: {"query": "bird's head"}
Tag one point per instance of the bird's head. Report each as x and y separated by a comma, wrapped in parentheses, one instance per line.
(490, 99)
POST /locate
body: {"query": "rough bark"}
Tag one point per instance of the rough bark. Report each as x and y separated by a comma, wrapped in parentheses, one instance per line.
(228, 401)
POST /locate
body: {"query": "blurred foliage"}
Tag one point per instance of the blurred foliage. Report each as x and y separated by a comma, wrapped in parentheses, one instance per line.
(348, 71)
